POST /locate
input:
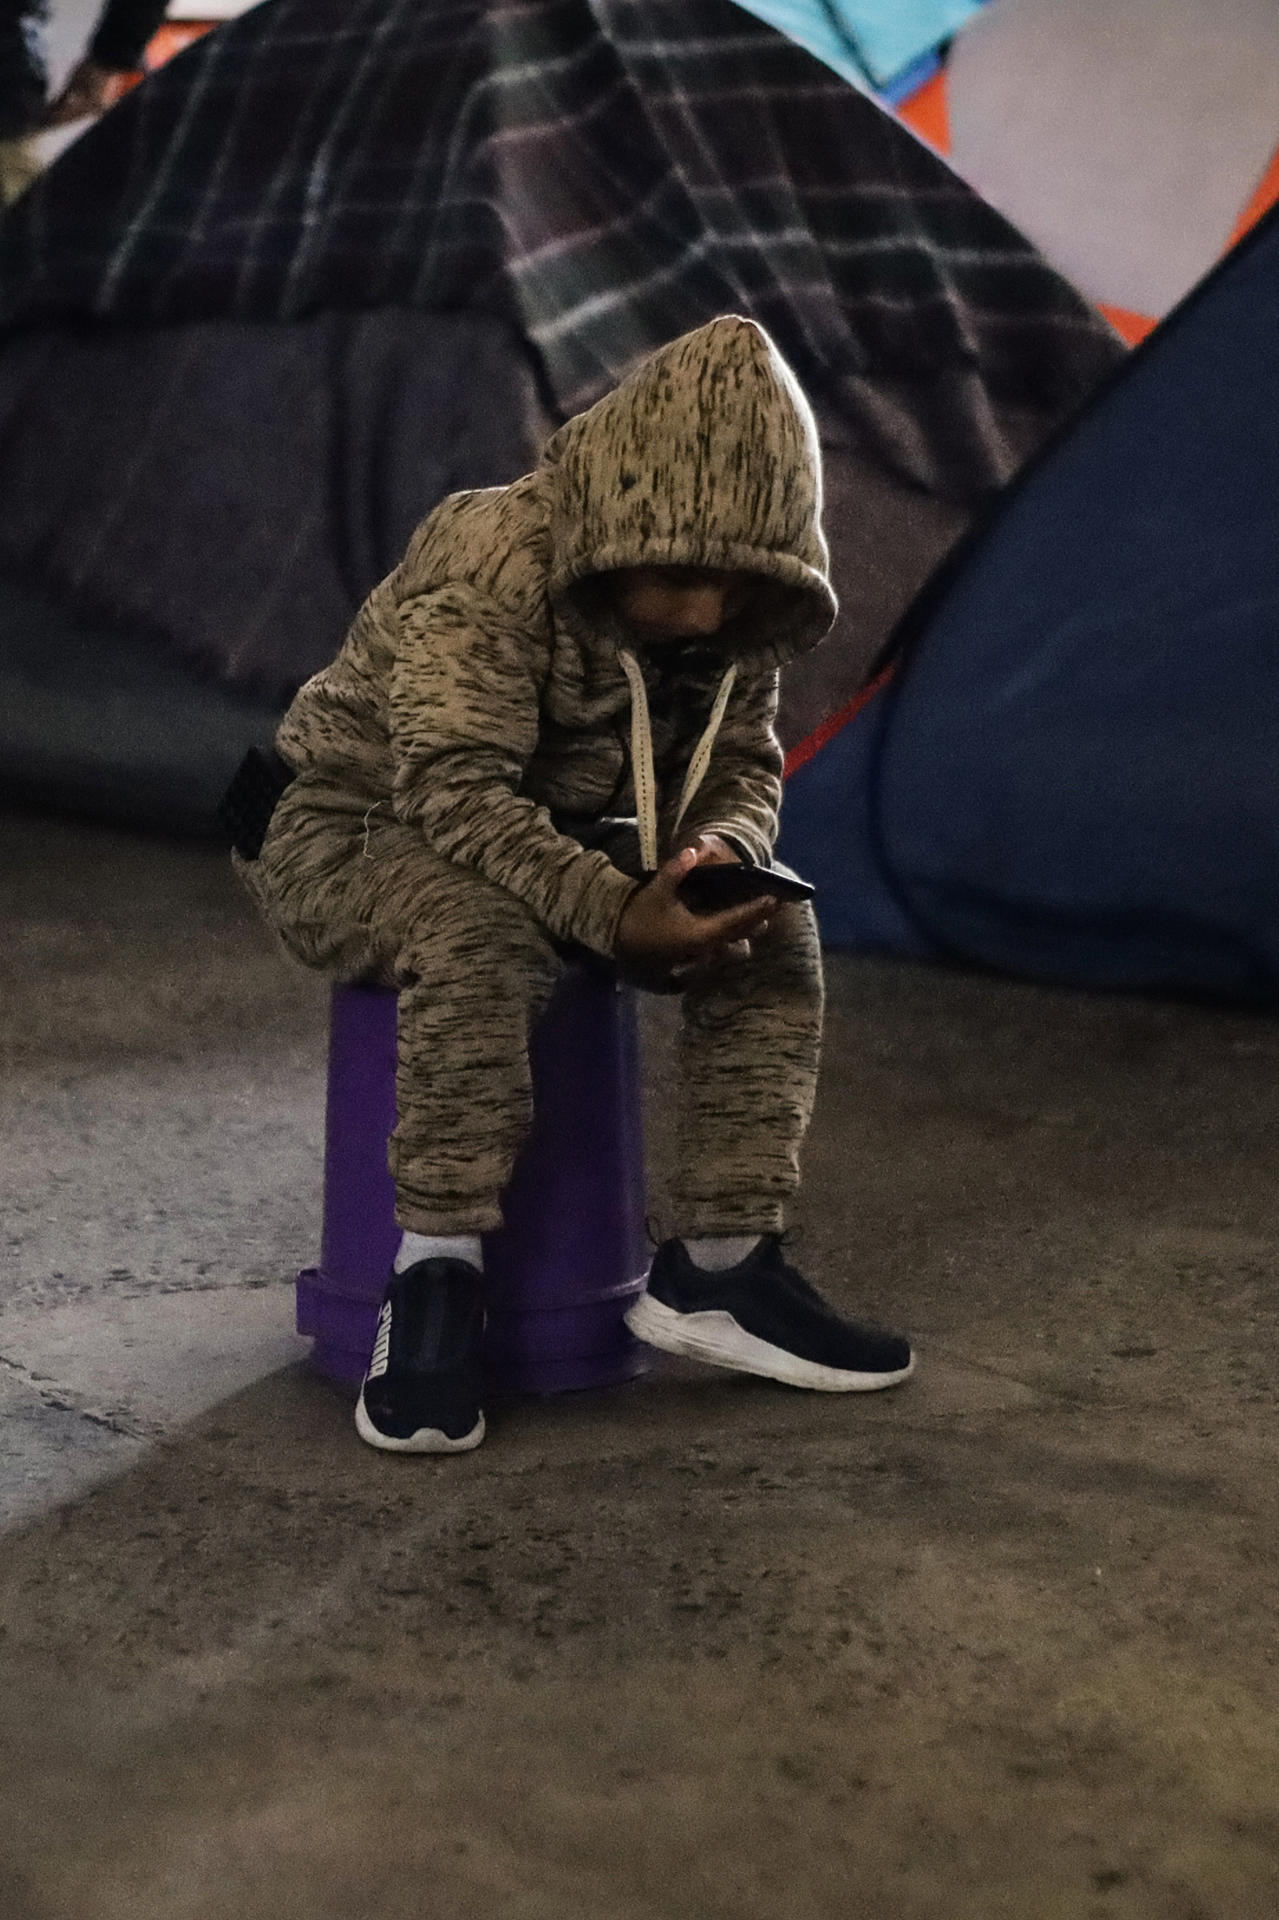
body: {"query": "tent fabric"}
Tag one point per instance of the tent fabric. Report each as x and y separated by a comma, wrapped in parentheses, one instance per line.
(1073, 773)
(223, 291)
(1123, 135)
(96, 722)
(590, 171)
(241, 485)
(867, 41)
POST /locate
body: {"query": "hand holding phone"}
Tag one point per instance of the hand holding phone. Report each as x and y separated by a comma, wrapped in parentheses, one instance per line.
(713, 887)
(658, 933)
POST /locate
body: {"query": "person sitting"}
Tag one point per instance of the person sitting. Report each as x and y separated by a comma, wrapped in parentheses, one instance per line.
(456, 822)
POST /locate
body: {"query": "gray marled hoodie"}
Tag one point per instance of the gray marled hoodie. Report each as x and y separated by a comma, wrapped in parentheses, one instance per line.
(480, 689)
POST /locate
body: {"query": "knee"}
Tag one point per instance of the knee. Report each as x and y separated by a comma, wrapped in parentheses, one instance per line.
(792, 940)
(477, 936)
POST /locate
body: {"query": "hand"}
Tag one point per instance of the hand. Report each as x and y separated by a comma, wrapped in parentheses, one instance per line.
(659, 939)
(711, 851)
(86, 92)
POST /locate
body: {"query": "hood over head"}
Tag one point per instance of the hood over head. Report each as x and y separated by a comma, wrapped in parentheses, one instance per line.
(705, 456)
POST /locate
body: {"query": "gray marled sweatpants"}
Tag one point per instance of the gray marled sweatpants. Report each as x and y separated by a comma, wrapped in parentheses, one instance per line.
(365, 898)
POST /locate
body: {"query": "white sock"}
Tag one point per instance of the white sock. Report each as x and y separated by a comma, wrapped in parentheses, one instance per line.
(717, 1251)
(439, 1246)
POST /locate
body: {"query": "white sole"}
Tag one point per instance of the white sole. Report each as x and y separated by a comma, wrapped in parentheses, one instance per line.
(425, 1440)
(715, 1338)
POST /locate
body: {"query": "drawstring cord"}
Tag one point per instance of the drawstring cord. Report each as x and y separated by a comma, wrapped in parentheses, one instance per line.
(642, 756)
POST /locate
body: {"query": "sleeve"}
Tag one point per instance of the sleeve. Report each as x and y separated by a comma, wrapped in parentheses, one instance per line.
(463, 720)
(741, 795)
(123, 30)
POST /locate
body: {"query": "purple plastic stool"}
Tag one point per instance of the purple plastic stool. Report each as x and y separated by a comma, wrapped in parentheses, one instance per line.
(572, 1253)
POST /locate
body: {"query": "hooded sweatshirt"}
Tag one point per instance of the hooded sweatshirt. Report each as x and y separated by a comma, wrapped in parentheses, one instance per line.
(486, 691)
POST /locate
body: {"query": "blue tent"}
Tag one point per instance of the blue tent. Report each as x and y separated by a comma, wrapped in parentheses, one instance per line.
(1074, 771)
(885, 45)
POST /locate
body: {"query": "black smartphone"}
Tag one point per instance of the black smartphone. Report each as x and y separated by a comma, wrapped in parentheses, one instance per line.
(713, 889)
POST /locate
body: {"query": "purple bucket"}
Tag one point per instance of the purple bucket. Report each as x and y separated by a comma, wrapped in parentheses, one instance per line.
(572, 1253)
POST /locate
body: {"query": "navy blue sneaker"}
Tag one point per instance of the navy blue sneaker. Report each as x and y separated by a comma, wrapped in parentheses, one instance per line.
(421, 1393)
(761, 1316)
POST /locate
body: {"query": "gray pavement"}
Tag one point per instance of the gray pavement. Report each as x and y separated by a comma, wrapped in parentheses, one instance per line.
(1001, 1643)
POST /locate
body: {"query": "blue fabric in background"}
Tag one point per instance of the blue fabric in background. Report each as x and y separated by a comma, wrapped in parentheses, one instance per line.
(1075, 774)
(910, 79)
(871, 43)
(828, 836)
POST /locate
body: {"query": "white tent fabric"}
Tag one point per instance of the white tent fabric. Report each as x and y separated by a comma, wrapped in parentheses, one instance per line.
(1123, 137)
(865, 41)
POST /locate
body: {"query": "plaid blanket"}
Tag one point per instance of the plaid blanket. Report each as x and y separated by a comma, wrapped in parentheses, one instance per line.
(591, 176)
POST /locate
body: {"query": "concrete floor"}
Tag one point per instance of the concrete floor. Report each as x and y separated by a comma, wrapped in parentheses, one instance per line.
(1002, 1643)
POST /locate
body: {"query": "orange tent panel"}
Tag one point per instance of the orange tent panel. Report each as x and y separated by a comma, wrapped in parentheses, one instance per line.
(927, 112)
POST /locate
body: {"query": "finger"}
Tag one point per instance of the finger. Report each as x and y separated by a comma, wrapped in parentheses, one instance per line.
(668, 877)
(734, 923)
(713, 852)
(679, 864)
